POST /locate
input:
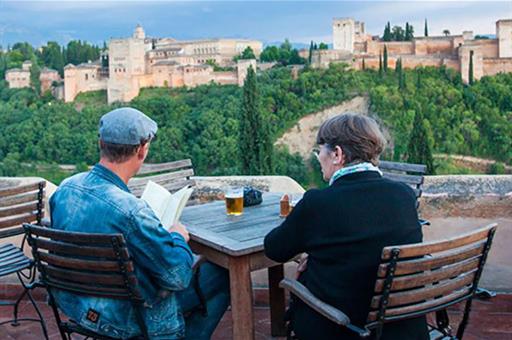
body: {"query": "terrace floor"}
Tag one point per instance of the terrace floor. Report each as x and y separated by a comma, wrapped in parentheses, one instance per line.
(490, 319)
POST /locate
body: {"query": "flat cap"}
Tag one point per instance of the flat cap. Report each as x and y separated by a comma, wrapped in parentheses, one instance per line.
(127, 126)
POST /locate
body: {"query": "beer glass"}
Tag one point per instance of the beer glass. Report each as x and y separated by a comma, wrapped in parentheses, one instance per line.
(234, 197)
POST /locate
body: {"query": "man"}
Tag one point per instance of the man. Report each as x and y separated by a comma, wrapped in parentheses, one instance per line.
(99, 201)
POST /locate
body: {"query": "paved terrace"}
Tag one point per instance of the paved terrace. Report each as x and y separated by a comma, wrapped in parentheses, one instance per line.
(453, 204)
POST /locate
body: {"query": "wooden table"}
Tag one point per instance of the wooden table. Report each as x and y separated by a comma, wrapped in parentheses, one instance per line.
(236, 243)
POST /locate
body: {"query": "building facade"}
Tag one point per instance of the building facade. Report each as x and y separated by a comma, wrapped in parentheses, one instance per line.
(352, 45)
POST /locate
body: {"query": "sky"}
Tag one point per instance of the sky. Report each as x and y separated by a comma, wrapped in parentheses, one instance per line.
(269, 21)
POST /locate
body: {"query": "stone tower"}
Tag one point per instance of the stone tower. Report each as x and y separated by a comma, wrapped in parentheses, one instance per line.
(126, 63)
(504, 36)
(139, 32)
(343, 33)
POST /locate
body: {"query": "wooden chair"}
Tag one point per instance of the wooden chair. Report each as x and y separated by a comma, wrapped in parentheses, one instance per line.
(408, 173)
(416, 279)
(172, 176)
(20, 204)
(87, 264)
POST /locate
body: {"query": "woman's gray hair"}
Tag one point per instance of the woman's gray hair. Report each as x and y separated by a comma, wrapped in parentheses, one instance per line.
(358, 136)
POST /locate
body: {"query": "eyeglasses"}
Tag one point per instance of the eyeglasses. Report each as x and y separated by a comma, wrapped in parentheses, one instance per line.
(316, 152)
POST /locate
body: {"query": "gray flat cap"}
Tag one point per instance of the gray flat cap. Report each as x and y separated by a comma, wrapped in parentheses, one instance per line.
(126, 126)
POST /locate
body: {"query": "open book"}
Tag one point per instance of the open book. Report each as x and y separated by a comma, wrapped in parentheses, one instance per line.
(167, 207)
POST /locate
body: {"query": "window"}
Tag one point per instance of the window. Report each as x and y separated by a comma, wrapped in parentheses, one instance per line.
(86, 76)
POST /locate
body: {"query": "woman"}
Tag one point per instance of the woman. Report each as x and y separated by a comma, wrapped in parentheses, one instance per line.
(343, 229)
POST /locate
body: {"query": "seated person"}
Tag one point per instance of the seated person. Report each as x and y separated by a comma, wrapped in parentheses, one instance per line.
(99, 201)
(343, 229)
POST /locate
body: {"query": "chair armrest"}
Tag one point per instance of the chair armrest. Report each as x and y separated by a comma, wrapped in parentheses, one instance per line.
(312, 301)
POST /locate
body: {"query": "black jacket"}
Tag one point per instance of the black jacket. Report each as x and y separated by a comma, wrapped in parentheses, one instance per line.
(343, 228)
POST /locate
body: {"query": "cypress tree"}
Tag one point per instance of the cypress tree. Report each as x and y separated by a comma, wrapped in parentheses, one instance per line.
(35, 82)
(419, 149)
(311, 46)
(380, 65)
(363, 66)
(385, 62)
(387, 32)
(255, 147)
(426, 28)
(470, 75)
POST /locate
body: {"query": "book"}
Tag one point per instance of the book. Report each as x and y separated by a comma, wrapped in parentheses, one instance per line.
(167, 207)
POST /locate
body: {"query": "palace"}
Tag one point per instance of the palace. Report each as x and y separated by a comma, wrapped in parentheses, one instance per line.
(352, 45)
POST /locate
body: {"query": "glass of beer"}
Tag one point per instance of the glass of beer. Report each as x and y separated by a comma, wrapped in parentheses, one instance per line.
(234, 197)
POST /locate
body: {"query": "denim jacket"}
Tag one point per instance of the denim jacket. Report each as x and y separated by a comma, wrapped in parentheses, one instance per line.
(100, 202)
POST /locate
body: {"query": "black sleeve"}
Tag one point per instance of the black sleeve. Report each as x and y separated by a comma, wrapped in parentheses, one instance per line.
(288, 240)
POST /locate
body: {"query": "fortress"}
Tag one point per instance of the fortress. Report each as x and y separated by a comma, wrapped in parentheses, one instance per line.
(137, 62)
(352, 45)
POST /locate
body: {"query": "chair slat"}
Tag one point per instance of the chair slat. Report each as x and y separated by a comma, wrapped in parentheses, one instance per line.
(89, 289)
(433, 262)
(418, 280)
(431, 304)
(75, 237)
(425, 293)
(421, 249)
(72, 249)
(404, 167)
(19, 199)
(18, 220)
(160, 167)
(61, 261)
(161, 178)
(409, 179)
(11, 232)
(76, 276)
(19, 209)
(13, 260)
(21, 189)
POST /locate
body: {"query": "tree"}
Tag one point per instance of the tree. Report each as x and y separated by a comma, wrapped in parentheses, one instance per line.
(397, 33)
(387, 32)
(380, 65)
(470, 75)
(426, 29)
(400, 74)
(253, 143)
(248, 53)
(311, 46)
(420, 144)
(446, 32)
(323, 46)
(52, 56)
(409, 32)
(385, 59)
(35, 82)
(363, 66)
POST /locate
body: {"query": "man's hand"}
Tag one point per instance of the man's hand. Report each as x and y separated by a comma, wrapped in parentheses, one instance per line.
(303, 264)
(180, 229)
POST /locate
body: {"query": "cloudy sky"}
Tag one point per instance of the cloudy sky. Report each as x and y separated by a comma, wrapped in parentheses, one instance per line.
(268, 21)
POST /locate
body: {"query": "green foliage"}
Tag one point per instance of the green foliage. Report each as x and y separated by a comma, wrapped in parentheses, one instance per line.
(203, 123)
(470, 71)
(52, 56)
(420, 144)
(425, 31)
(385, 59)
(397, 33)
(497, 168)
(248, 53)
(35, 82)
(284, 54)
(255, 146)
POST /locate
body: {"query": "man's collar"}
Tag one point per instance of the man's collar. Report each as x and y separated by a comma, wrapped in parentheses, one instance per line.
(110, 176)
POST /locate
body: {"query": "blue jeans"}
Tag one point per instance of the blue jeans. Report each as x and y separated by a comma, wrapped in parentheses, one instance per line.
(214, 284)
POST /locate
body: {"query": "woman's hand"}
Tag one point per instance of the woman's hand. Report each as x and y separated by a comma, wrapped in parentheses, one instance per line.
(303, 264)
